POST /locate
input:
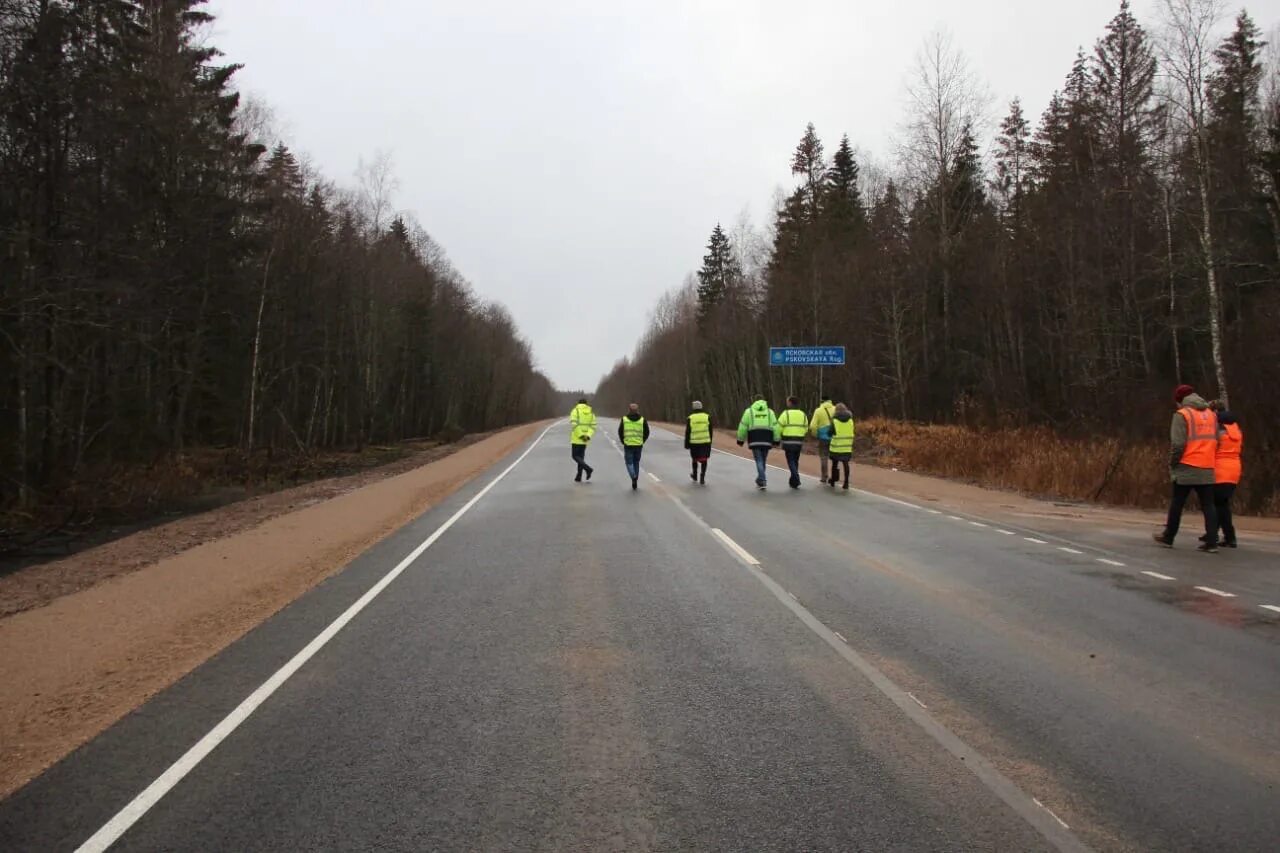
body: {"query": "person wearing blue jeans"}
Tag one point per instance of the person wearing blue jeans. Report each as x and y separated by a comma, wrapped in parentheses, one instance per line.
(760, 431)
(633, 432)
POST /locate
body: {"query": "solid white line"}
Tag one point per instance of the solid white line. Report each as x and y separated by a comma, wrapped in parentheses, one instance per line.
(654, 476)
(1111, 562)
(840, 636)
(1271, 607)
(1159, 576)
(153, 793)
(918, 702)
(934, 511)
(1005, 532)
(1069, 550)
(793, 596)
(1216, 592)
(955, 518)
(1037, 541)
(979, 524)
(735, 547)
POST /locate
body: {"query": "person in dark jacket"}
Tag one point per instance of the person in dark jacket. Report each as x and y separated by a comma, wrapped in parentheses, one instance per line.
(633, 432)
(697, 440)
(1193, 444)
(760, 431)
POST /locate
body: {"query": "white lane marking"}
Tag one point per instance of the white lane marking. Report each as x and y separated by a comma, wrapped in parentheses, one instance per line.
(1270, 607)
(1005, 532)
(1050, 811)
(735, 547)
(979, 524)
(793, 596)
(918, 702)
(1037, 541)
(1069, 550)
(841, 637)
(1111, 562)
(955, 518)
(934, 511)
(1216, 592)
(1159, 576)
(153, 793)
(654, 476)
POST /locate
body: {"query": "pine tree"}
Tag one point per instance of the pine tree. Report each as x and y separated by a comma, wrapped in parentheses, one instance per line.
(719, 273)
(1011, 158)
(843, 197)
(810, 165)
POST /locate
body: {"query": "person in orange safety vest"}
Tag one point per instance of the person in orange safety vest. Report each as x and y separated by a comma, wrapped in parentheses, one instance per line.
(1226, 471)
(1193, 437)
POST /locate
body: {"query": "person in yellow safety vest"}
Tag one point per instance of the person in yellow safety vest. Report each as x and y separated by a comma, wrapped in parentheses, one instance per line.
(841, 444)
(820, 428)
(1193, 451)
(633, 432)
(584, 427)
(794, 424)
(760, 431)
(697, 440)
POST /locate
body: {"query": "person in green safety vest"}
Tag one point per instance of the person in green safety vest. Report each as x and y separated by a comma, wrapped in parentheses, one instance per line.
(759, 430)
(697, 440)
(841, 443)
(820, 428)
(794, 423)
(583, 421)
(633, 432)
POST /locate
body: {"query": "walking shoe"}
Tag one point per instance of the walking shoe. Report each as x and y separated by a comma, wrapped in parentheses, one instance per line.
(634, 485)
(1230, 544)
(590, 471)
(1161, 539)
(1208, 548)
(846, 487)
(577, 479)
(694, 476)
(703, 482)
(761, 486)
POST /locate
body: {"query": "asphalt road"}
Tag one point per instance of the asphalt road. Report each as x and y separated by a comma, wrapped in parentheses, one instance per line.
(585, 667)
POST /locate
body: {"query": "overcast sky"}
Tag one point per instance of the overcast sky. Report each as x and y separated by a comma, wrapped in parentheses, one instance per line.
(572, 157)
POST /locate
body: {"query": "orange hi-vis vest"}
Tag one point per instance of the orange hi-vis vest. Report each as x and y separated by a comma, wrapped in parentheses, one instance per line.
(1202, 438)
(1226, 468)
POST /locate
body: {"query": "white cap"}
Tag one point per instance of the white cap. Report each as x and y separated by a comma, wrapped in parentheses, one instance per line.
(697, 404)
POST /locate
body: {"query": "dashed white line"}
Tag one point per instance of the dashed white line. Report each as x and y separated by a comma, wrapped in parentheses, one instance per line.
(979, 524)
(1051, 814)
(1159, 576)
(1270, 607)
(735, 547)
(955, 518)
(918, 702)
(1005, 532)
(1069, 550)
(934, 511)
(654, 476)
(1036, 541)
(841, 637)
(1111, 562)
(1217, 592)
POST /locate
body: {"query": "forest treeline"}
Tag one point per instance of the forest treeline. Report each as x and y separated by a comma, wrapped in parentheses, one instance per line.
(1067, 272)
(170, 279)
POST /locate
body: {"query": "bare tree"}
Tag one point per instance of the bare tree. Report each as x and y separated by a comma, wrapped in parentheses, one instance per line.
(1187, 47)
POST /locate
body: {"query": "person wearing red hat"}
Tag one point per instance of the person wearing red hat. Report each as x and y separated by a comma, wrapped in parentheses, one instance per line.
(1193, 439)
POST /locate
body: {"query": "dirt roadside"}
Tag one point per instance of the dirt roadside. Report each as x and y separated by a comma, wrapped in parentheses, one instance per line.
(978, 500)
(72, 667)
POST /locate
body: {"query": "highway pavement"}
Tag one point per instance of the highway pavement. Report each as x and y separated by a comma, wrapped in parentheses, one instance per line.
(542, 665)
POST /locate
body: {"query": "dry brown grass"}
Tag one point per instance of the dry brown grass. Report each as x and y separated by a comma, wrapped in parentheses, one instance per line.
(1032, 460)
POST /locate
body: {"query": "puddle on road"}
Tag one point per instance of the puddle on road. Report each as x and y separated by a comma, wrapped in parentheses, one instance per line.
(1225, 611)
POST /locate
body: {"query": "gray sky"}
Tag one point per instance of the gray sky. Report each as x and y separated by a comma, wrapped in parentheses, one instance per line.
(573, 156)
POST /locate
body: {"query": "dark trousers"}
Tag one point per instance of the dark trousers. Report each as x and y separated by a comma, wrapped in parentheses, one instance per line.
(580, 456)
(835, 471)
(793, 462)
(1222, 495)
(1205, 495)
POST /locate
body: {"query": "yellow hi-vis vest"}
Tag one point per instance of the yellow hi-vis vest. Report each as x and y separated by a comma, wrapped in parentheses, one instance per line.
(842, 436)
(584, 424)
(633, 432)
(794, 424)
(699, 428)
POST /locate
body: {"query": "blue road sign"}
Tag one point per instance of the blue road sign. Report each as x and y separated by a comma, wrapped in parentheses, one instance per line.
(806, 356)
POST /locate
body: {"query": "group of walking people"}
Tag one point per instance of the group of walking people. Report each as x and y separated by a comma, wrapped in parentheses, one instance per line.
(1205, 444)
(760, 429)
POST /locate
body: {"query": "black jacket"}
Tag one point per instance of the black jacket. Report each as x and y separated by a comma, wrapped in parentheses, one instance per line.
(630, 417)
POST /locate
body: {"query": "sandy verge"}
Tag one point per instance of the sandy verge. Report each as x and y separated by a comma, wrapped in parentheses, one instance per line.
(71, 668)
(979, 500)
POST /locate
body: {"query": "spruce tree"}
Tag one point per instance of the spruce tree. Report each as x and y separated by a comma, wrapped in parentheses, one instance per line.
(718, 274)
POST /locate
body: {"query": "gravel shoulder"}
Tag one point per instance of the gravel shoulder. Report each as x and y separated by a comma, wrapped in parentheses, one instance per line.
(87, 639)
